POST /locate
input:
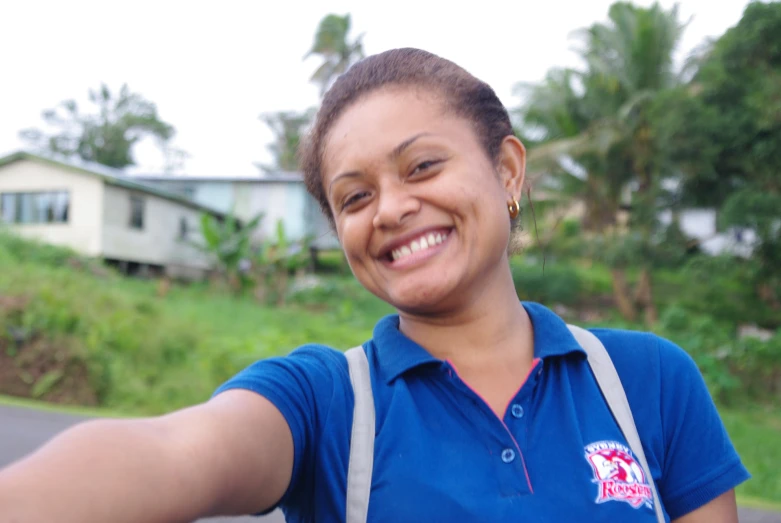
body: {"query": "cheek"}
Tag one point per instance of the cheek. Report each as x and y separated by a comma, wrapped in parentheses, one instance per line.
(353, 238)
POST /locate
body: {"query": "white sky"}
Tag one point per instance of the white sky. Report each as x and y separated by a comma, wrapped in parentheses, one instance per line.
(213, 67)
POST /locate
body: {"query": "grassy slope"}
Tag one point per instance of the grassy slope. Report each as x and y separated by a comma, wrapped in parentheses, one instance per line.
(164, 353)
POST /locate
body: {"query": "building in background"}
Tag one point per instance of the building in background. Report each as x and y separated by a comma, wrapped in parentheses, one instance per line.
(279, 196)
(101, 212)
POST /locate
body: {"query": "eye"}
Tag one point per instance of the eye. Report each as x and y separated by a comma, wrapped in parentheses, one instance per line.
(353, 199)
(424, 166)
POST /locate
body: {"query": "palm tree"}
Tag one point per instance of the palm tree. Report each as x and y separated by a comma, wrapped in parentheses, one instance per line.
(560, 113)
(604, 122)
(333, 46)
(288, 128)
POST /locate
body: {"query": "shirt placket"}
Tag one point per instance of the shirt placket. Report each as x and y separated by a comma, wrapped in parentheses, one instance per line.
(504, 448)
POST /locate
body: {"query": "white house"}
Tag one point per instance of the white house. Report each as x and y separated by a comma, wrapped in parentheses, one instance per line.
(279, 196)
(101, 212)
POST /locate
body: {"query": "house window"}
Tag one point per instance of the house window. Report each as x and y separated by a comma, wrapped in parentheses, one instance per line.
(35, 207)
(136, 212)
(183, 228)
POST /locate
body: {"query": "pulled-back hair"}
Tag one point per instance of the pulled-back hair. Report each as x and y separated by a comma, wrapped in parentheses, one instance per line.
(461, 92)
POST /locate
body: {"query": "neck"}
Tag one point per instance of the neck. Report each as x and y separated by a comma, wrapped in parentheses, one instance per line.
(491, 329)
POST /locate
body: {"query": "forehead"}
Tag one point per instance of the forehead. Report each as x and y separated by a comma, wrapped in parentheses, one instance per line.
(373, 126)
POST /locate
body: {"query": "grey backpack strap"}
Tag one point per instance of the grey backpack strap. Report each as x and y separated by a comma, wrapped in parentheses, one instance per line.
(359, 471)
(610, 385)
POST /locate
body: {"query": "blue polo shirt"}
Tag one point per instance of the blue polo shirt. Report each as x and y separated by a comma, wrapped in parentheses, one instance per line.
(441, 454)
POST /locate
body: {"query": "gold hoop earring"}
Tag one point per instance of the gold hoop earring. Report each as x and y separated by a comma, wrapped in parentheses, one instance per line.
(513, 208)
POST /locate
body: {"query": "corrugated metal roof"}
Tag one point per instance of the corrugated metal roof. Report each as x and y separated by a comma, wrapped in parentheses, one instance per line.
(283, 177)
(110, 175)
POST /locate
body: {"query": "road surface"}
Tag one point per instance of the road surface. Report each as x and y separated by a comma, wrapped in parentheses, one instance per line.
(23, 430)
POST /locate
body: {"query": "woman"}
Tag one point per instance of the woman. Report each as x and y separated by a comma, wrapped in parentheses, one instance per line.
(486, 408)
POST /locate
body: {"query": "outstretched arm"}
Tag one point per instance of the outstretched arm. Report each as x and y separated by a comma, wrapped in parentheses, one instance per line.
(231, 455)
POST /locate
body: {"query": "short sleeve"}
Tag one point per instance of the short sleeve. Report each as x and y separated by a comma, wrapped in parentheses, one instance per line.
(302, 386)
(700, 462)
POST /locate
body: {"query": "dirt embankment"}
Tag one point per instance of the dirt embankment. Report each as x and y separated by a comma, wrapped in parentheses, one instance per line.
(33, 366)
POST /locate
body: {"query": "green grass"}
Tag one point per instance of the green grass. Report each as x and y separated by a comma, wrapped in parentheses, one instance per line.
(756, 435)
(149, 354)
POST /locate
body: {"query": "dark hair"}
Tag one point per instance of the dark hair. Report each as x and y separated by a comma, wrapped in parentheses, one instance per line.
(462, 93)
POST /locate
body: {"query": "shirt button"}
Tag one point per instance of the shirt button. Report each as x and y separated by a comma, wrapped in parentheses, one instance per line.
(508, 455)
(517, 411)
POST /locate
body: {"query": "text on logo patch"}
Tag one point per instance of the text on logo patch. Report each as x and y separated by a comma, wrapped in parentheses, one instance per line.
(618, 476)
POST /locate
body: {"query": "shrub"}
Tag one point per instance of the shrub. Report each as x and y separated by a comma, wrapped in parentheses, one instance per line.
(736, 369)
(553, 284)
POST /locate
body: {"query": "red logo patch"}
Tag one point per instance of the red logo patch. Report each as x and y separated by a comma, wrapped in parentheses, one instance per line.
(619, 476)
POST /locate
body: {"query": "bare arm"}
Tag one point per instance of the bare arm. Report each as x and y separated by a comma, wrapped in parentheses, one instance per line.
(723, 509)
(232, 455)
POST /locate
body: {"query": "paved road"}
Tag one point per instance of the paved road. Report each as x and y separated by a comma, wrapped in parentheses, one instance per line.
(23, 430)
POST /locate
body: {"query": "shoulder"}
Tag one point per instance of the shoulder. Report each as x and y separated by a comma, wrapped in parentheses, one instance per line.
(310, 359)
(658, 376)
(304, 381)
(645, 353)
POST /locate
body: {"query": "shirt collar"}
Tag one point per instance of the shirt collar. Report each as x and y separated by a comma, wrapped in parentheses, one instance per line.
(397, 354)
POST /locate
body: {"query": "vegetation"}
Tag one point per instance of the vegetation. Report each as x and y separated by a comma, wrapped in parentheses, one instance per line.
(76, 333)
(629, 133)
(333, 46)
(288, 128)
(634, 140)
(107, 136)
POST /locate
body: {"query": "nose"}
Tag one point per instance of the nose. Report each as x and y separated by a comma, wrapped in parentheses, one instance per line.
(395, 203)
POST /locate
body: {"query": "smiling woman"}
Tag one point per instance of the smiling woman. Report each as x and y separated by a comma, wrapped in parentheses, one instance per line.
(466, 405)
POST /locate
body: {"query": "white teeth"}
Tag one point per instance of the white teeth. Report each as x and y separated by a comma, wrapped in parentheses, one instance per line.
(420, 244)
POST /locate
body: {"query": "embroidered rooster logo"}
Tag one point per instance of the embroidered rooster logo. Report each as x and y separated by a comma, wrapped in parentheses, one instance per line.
(618, 475)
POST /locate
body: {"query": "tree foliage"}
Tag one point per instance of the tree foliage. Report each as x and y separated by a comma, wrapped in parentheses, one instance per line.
(727, 125)
(596, 131)
(106, 135)
(333, 45)
(229, 242)
(288, 128)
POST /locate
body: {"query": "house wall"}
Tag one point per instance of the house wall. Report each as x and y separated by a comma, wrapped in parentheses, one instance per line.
(701, 225)
(283, 200)
(159, 241)
(82, 232)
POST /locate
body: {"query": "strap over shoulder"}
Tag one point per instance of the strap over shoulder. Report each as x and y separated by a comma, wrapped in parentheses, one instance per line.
(613, 391)
(359, 472)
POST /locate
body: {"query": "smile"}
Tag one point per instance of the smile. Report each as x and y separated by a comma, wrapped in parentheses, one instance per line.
(422, 243)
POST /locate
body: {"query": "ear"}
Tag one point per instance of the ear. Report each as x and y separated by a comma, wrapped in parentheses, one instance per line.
(512, 166)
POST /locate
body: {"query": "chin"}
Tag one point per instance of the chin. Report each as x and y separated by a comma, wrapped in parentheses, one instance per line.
(421, 299)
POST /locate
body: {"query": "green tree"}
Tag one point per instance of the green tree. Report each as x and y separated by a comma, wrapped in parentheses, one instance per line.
(725, 130)
(273, 262)
(333, 45)
(563, 115)
(106, 136)
(604, 124)
(288, 128)
(229, 242)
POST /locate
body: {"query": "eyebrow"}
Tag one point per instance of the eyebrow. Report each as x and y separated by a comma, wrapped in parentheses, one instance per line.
(406, 143)
(395, 153)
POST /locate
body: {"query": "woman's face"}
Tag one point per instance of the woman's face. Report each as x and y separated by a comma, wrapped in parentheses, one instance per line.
(419, 207)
